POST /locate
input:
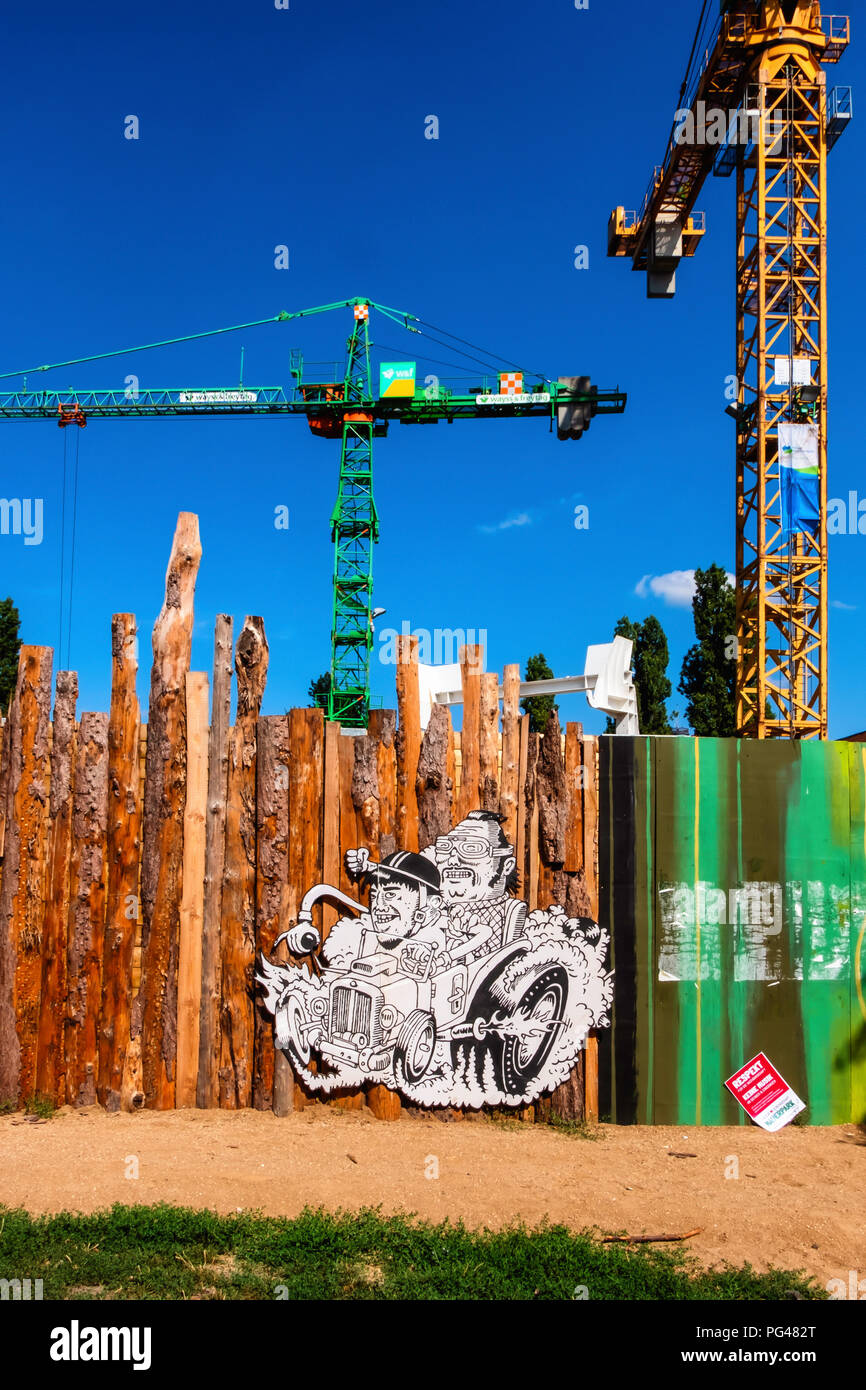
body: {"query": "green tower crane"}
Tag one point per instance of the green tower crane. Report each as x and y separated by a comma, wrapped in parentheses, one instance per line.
(348, 410)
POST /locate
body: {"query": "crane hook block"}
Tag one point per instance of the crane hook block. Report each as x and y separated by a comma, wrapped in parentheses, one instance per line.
(71, 414)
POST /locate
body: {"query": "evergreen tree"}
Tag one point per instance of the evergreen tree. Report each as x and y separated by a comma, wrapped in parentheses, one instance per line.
(538, 707)
(709, 673)
(10, 643)
(319, 690)
(650, 658)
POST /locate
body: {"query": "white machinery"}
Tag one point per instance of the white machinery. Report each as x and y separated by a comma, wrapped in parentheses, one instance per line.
(606, 681)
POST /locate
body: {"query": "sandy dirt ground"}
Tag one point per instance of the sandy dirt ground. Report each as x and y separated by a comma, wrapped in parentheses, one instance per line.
(799, 1201)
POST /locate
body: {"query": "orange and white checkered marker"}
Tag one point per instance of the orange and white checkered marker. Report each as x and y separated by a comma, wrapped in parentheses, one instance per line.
(511, 383)
(362, 311)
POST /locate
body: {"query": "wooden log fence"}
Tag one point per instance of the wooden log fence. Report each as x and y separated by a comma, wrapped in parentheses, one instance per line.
(145, 867)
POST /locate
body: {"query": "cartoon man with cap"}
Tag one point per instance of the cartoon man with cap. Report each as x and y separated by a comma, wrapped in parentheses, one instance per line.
(405, 903)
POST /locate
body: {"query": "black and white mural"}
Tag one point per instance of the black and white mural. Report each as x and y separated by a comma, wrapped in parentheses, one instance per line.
(441, 984)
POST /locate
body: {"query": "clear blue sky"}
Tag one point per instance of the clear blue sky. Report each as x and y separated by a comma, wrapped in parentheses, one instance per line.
(305, 127)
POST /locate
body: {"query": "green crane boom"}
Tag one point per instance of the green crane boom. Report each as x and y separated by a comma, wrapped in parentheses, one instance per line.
(347, 410)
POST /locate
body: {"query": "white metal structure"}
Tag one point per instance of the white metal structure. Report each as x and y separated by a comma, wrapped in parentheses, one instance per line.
(606, 681)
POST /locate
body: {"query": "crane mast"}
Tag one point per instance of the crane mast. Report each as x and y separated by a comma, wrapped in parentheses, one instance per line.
(764, 69)
(354, 530)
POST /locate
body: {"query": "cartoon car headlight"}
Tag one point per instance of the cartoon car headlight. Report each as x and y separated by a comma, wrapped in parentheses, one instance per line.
(388, 1016)
(318, 1007)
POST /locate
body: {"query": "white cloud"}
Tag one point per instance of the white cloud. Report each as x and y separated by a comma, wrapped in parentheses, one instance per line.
(848, 607)
(522, 519)
(676, 588)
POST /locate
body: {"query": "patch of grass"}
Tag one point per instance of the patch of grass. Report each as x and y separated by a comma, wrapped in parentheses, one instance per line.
(166, 1252)
(41, 1106)
(577, 1129)
(8, 1107)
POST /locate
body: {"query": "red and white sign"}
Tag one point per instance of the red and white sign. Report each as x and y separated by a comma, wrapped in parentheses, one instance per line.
(511, 383)
(765, 1096)
(362, 311)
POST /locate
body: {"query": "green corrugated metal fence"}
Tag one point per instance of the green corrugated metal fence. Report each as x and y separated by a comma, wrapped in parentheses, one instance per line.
(732, 876)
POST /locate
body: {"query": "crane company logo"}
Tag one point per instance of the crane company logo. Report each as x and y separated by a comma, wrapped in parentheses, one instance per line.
(217, 398)
(397, 379)
(443, 986)
(76, 1343)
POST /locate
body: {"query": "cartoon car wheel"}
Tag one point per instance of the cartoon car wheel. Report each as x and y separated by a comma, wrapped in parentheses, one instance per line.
(297, 1044)
(541, 1004)
(413, 1051)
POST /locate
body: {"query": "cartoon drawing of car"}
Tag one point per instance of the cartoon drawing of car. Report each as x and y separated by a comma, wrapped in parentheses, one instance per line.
(392, 1008)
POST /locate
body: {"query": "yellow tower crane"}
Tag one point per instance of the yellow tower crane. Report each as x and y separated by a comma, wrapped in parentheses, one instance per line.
(754, 103)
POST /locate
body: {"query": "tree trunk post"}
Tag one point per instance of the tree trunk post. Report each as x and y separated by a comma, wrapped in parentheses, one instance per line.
(154, 1012)
(207, 1087)
(238, 925)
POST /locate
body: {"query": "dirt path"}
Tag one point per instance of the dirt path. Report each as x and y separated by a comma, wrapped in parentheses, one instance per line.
(798, 1202)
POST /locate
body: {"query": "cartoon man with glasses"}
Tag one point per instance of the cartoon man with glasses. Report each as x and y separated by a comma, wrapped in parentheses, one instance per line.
(478, 874)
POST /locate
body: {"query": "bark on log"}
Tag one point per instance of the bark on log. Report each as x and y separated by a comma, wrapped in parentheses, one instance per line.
(523, 767)
(50, 1063)
(408, 743)
(4, 782)
(551, 793)
(532, 823)
(331, 820)
(357, 779)
(567, 1100)
(510, 752)
(385, 1104)
(433, 788)
(207, 1087)
(306, 768)
(488, 741)
(123, 851)
(86, 931)
(154, 1011)
(22, 893)
(383, 727)
(365, 790)
(471, 670)
(272, 852)
(238, 925)
(350, 832)
(192, 900)
(574, 798)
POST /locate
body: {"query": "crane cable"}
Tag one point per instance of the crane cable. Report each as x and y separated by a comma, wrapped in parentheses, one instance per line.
(436, 361)
(685, 82)
(495, 356)
(62, 552)
(72, 547)
(145, 347)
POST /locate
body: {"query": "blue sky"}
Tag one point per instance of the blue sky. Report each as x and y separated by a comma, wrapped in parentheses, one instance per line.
(305, 127)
